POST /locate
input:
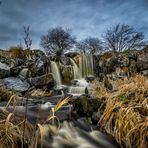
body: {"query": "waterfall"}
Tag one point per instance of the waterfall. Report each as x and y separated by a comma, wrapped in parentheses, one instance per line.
(55, 71)
(77, 90)
(80, 82)
(86, 65)
(76, 70)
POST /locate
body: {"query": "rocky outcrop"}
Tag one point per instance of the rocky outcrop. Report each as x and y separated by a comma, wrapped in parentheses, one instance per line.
(121, 64)
(40, 81)
(4, 70)
(142, 62)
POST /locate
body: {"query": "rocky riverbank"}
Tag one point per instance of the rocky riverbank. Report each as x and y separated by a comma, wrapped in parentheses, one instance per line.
(39, 91)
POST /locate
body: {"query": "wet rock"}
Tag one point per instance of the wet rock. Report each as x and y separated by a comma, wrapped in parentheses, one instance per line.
(61, 89)
(37, 113)
(4, 70)
(16, 84)
(67, 73)
(90, 78)
(40, 81)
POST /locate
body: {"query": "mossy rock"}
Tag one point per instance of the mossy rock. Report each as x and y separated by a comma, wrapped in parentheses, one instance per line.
(85, 106)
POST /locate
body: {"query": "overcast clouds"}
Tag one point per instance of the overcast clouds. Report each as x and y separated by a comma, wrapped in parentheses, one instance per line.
(84, 17)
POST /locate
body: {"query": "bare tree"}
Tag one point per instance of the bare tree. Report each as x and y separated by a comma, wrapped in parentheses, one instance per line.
(90, 45)
(27, 39)
(57, 40)
(123, 37)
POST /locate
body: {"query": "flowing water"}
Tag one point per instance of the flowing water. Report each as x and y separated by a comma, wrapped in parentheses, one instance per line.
(86, 65)
(76, 70)
(77, 90)
(56, 73)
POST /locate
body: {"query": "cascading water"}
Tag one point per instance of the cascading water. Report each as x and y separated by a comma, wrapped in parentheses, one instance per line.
(56, 72)
(86, 65)
(76, 71)
(77, 90)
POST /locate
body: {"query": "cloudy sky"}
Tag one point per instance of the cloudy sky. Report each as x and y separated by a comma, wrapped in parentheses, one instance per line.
(84, 17)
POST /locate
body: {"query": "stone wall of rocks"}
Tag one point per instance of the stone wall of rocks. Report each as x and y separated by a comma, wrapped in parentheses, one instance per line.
(127, 63)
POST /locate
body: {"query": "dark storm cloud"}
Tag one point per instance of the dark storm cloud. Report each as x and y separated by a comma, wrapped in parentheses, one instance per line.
(84, 17)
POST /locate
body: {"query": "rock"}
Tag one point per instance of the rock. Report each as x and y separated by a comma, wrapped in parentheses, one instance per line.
(43, 80)
(61, 89)
(39, 112)
(142, 62)
(24, 73)
(4, 70)
(16, 84)
(84, 106)
(145, 72)
(67, 73)
(90, 78)
(38, 53)
(14, 71)
(40, 67)
(132, 67)
(71, 54)
(16, 62)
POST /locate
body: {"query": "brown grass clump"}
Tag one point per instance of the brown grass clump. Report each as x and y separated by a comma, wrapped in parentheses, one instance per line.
(127, 123)
(12, 132)
(5, 94)
(126, 113)
(134, 89)
(41, 93)
(17, 52)
(99, 89)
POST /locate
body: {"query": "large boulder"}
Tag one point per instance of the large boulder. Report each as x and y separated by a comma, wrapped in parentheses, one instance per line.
(85, 106)
(44, 80)
(4, 70)
(142, 62)
(16, 84)
(40, 66)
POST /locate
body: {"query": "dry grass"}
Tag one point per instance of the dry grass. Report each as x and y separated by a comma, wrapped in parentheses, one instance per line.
(5, 94)
(52, 115)
(126, 113)
(12, 132)
(16, 132)
(41, 93)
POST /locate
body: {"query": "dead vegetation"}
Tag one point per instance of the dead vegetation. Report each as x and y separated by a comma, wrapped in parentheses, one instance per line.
(12, 131)
(126, 112)
(5, 94)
